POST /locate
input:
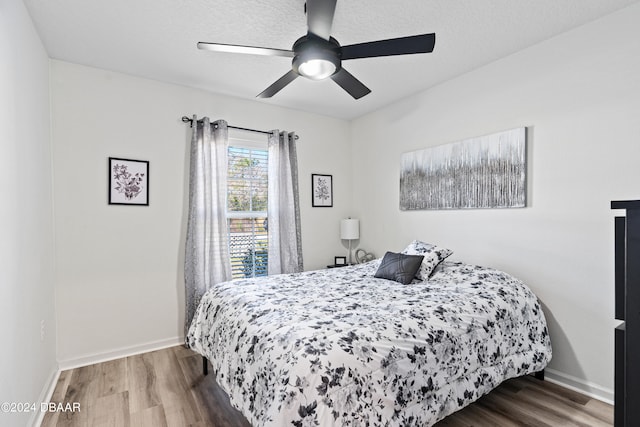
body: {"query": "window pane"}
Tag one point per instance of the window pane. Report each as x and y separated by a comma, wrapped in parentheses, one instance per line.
(247, 179)
(247, 211)
(248, 247)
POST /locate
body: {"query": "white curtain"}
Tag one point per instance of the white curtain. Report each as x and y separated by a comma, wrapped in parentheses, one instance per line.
(285, 242)
(207, 247)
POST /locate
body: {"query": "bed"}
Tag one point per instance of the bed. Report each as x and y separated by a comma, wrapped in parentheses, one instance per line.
(340, 347)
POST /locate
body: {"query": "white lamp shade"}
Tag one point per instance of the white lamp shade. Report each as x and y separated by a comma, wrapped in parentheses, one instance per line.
(350, 229)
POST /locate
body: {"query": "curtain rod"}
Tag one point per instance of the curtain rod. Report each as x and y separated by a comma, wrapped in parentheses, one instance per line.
(186, 119)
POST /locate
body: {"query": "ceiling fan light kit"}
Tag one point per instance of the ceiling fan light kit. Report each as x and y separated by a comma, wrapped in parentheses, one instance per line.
(318, 56)
(316, 69)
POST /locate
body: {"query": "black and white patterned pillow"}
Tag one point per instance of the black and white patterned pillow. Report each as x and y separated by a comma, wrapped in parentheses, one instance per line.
(433, 255)
(399, 267)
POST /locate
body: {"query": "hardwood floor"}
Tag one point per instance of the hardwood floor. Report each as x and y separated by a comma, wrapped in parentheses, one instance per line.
(161, 388)
(167, 388)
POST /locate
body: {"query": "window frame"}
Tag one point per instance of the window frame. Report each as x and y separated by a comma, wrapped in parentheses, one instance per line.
(257, 263)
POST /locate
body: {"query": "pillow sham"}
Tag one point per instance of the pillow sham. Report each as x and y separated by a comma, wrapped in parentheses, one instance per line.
(433, 255)
(399, 267)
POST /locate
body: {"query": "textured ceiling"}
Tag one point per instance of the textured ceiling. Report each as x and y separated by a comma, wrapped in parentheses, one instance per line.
(157, 39)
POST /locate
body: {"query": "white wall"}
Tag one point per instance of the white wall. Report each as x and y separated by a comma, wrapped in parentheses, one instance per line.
(579, 94)
(120, 268)
(27, 363)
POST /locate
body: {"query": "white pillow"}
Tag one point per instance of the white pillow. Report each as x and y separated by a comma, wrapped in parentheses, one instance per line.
(433, 255)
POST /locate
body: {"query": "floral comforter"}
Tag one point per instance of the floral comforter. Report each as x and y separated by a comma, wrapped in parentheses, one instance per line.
(339, 347)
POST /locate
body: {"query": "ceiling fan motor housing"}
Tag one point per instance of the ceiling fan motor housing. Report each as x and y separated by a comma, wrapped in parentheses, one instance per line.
(315, 57)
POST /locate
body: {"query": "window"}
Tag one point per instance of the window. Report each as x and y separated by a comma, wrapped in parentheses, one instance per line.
(247, 208)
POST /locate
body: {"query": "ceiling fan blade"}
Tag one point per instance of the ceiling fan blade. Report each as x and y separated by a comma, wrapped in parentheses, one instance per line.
(349, 83)
(320, 17)
(278, 85)
(220, 47)
(423, 43)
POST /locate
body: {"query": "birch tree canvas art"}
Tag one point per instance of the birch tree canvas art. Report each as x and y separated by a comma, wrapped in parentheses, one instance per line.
(483, 172)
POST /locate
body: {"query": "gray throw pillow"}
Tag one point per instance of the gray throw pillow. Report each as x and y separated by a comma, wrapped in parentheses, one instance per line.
(399, 267)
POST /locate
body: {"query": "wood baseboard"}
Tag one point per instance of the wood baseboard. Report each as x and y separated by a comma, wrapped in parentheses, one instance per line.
(91, 359)
(587, 388)
(45, 396)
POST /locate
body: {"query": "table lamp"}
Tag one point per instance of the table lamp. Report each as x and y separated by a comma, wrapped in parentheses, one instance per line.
(350, 230)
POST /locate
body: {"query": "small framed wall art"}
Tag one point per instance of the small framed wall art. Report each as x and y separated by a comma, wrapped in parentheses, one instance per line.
(128, 182)
(321, 191)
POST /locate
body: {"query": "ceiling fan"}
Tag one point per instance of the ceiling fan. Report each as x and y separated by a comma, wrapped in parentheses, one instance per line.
(318, 56)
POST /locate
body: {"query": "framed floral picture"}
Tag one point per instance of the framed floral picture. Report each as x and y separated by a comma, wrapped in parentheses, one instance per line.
(128, 182)
(322, 190)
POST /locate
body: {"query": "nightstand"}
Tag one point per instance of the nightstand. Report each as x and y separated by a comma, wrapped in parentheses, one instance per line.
(337, 265)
